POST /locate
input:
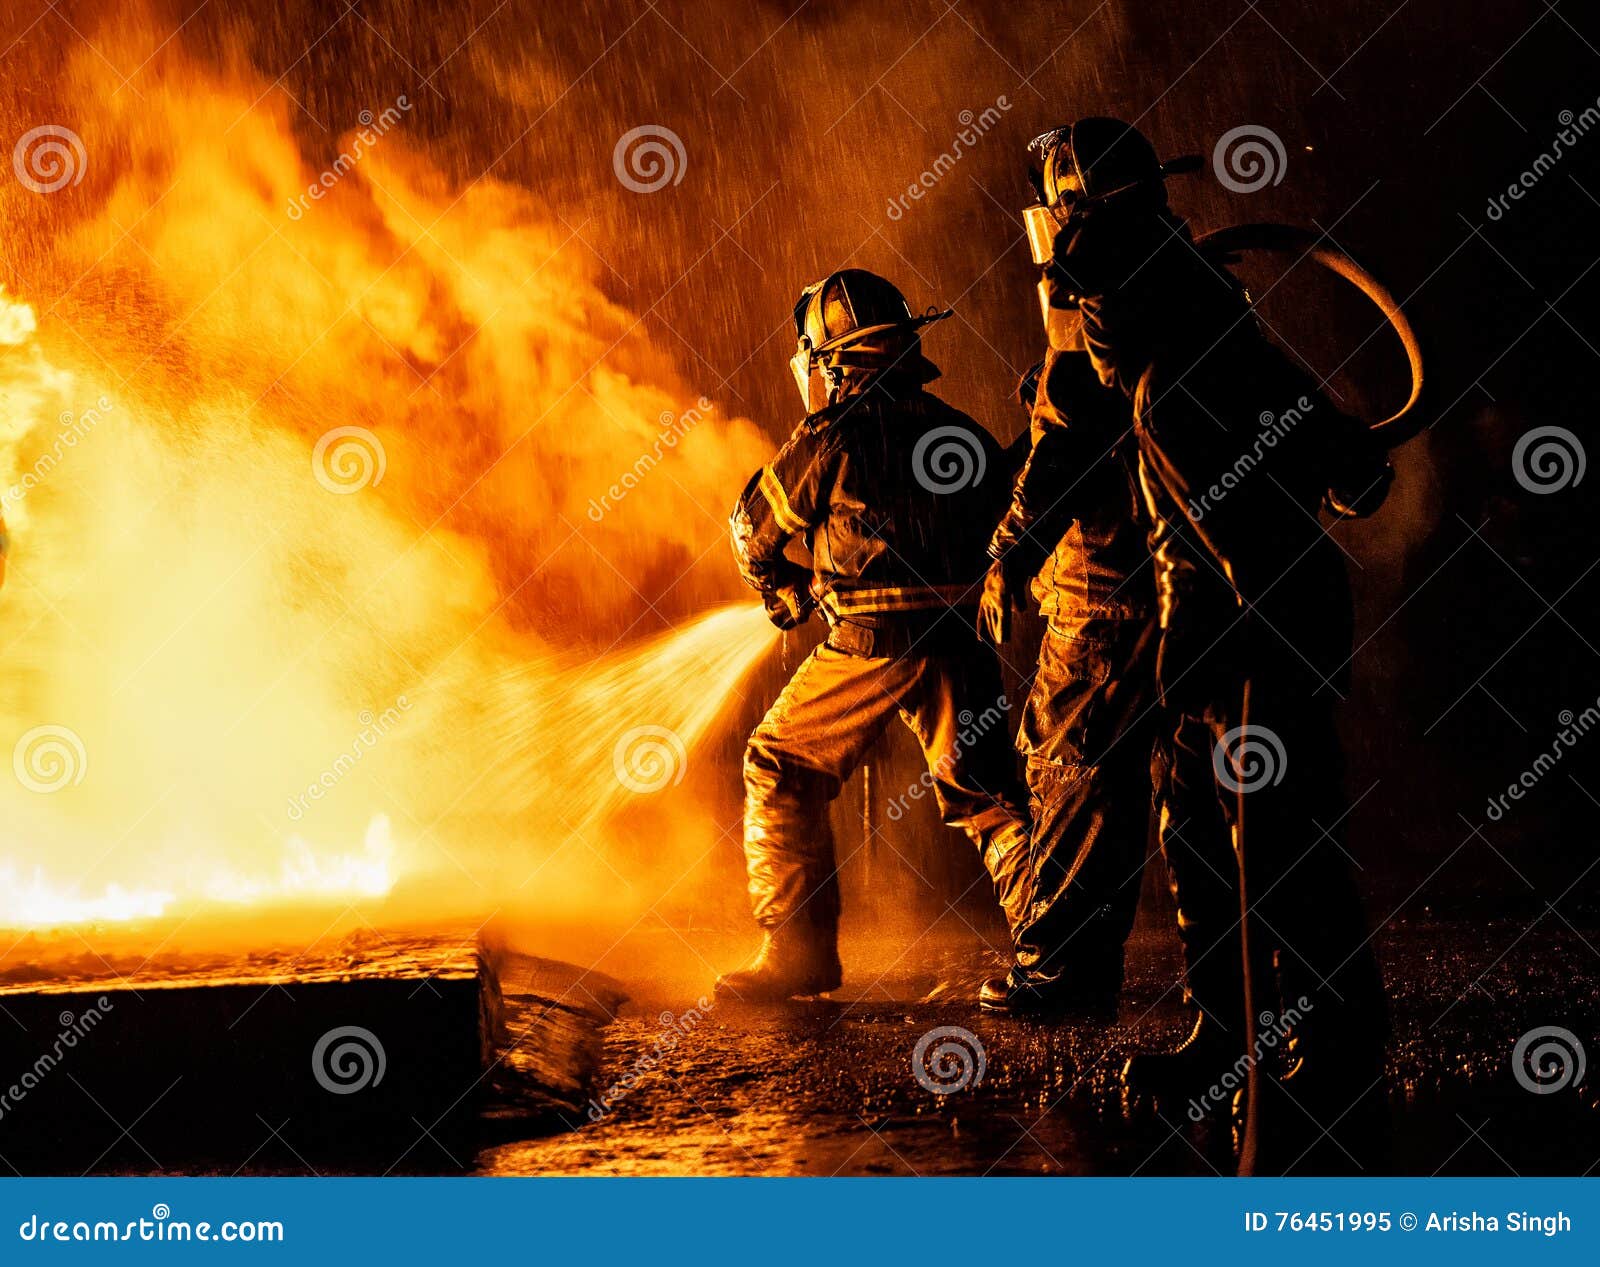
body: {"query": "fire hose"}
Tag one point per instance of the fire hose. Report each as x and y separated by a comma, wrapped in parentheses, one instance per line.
(1223, 245)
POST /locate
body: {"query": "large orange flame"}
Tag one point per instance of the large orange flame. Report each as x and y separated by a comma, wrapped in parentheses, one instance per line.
(307, 497)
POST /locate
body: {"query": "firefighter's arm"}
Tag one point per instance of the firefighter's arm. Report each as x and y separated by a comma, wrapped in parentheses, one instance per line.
(783, 500)
(1035, 517)
(1040, 510)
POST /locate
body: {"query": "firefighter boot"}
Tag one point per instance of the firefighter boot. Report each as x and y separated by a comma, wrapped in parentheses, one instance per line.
(1215, 1046)
(796, 958)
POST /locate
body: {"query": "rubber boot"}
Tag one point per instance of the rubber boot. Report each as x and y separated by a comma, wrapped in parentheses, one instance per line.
(796, 959)
(1004, 997)
(1194, 1070)
(1191, 1070)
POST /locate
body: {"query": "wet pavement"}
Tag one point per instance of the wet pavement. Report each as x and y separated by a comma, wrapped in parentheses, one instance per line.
(828, 1087)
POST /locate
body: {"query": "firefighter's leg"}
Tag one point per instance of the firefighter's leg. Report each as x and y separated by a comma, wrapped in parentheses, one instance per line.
(1306, 906)
(1087, 729)
(798, 758)
(955, 705)
(1195, 829)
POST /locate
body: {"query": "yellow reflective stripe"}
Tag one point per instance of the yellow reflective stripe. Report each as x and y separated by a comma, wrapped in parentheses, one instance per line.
(779, 501)
(898, 598)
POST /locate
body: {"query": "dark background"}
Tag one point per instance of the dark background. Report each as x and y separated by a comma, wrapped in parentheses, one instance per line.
(801, 121)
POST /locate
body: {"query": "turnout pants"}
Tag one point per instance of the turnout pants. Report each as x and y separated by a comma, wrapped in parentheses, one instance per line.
(1087, 732)
(1305, 914)
(819, 729)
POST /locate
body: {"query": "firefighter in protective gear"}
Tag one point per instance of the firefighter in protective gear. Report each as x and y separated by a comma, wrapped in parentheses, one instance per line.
(1075, 529)
(1239, 450)
(893, 491)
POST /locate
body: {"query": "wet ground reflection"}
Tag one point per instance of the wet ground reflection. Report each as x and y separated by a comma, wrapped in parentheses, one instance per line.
(828, 1088)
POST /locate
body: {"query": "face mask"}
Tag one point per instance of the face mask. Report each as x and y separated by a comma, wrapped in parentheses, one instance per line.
(1042, 224)
(815, 381)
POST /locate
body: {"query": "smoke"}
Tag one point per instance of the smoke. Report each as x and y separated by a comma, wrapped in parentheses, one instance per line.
(309, 466)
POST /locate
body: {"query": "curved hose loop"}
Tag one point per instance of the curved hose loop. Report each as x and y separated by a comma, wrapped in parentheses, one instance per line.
(1399, 427)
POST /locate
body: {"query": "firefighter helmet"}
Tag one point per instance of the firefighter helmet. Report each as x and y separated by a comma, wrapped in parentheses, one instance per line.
(853, 320)
(1088, 164)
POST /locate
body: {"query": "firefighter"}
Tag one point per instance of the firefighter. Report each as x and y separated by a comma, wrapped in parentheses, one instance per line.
(1075, 532)
(894, 493)
(1239, 451)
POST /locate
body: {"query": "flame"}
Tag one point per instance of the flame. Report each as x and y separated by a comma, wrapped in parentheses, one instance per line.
(302, 517)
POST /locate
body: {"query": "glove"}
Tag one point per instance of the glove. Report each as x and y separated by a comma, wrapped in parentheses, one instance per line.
(788, 606)
(995, 607)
